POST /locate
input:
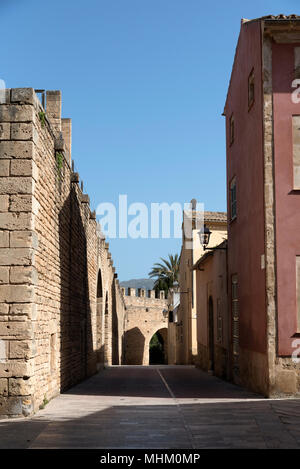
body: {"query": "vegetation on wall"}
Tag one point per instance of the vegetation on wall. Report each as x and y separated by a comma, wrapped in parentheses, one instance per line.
(42, 116)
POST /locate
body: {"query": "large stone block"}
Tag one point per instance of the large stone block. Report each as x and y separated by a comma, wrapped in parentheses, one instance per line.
(17, 185)
(20, 349)
(11, 406)
(3, 350)
(4, 309)
(23, 168)
(16, 113)
(16, 256)
(20, 330)
(23, 150)
(3, 387)
(4, 275)
(16, 406)
(20, 203)
(22, 310)
(17, 369)
(4, 239)
(22, 275)
(4, 203)
(16, 221)
(23, 131)
(4, 131)
(16, 293)
(23, 95)
(20, 386)
(4, 168)
(23, 239)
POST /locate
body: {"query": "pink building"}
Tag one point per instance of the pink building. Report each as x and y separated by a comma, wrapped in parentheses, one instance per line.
(262, 113)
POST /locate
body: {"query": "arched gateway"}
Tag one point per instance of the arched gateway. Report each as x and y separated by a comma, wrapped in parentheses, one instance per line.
(146, 316)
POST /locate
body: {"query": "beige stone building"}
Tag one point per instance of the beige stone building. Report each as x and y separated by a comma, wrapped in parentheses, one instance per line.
(191, 252)
(213, 325)
(62, 312)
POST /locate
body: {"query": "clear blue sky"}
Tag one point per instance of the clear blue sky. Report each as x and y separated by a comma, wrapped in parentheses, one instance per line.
(144, 82)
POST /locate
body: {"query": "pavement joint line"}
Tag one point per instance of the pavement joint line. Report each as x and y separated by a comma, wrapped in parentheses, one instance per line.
(186, 427)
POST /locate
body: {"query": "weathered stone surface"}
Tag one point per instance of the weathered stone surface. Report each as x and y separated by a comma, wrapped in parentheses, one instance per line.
(23, 239)
(20, 386)
(22, 275)
(4, 203)
(3, 387)
(22, 131)
(59, 144)
(23, 309)
(4, 275)
(20, 349)
(4, 168)
(16, 256)
(16, 369)
(286, 381)
(16, 185)
(16, 221)
(4, 131)
(20, 203)
(16, 113)
(16, 329)
(16, 293)
(23, 95)
(23, 150)
(23, 168)
(4, 239)
(4, 308)
(11, 406)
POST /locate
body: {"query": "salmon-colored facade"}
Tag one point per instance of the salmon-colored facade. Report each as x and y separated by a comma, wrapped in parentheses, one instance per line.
(287, 205)
(263, 206)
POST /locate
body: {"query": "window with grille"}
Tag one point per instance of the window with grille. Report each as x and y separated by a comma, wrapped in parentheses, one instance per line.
(251, 89)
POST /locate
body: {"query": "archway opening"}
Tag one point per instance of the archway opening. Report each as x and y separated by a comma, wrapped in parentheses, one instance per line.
(158, 348)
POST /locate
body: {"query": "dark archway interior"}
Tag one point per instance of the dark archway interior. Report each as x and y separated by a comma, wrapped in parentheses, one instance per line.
(99, 285)
(157, 349)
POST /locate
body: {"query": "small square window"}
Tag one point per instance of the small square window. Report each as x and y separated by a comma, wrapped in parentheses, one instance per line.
(233, 210)
(231, 129)
(251, 89)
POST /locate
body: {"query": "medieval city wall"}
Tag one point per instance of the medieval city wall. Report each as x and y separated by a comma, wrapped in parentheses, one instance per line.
(52, 317)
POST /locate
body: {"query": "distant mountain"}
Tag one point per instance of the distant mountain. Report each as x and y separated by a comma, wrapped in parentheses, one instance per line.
(146, 283)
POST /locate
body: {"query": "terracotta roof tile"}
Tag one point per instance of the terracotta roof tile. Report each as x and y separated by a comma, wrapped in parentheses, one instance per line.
(215, 216)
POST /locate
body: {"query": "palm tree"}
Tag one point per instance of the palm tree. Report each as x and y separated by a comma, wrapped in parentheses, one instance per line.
(166, 273)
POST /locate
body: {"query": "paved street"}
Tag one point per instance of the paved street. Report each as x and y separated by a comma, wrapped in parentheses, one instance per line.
(157, 407)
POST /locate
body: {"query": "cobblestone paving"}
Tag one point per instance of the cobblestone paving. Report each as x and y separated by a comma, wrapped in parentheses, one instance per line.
(157, 407)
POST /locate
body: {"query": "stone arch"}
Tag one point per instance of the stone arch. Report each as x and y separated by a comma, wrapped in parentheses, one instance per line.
(159, 355)
(134, 341)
